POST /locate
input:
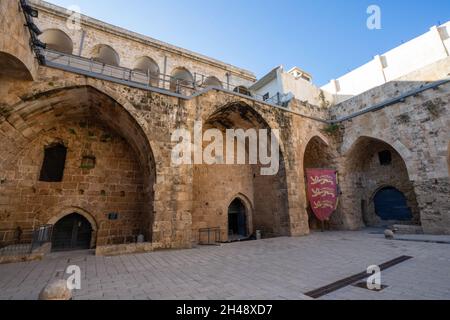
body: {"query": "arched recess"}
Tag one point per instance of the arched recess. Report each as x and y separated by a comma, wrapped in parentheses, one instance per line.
(13, 68)
(148, 66)
(212, 82)
(216, 184)
(57, 40)
(181, 78)
(369, 165)
(105, 54)
(318, 155)
(120, 185)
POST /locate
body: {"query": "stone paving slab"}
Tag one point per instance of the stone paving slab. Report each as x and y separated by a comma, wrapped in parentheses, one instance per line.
(280, 268)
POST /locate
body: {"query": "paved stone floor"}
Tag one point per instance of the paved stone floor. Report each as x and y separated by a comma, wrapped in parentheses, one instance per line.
(281, 268)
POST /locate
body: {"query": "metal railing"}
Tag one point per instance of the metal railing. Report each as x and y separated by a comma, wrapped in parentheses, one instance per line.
(146, 79)
(209, 236)
(22, 242)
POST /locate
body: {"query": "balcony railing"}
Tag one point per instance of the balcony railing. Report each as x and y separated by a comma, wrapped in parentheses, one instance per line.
(141, 79)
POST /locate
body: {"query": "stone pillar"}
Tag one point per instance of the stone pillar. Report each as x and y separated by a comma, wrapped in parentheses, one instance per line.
(172, 225)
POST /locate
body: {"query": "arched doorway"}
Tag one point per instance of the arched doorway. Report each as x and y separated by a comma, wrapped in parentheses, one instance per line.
(391, 204)
(237, 220)
(73, 232)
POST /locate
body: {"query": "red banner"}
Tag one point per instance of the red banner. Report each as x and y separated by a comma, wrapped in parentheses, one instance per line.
(322, 192)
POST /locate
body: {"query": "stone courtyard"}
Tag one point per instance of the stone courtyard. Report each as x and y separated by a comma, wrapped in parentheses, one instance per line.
(279, 268)
(88, 123)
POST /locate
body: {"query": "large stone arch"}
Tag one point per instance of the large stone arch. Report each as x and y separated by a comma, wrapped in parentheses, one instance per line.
(396, 144)
(368, 165)
(76, 109)
(215, 183)
(42, 89)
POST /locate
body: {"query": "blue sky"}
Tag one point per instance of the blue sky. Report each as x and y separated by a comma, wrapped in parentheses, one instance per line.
(326, 38)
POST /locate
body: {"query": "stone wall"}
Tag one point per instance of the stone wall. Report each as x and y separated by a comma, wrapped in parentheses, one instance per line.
(170, 203)
(418, 130)
(114, 185)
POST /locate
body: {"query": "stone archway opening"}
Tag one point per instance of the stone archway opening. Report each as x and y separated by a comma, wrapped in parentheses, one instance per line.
(181, 78)
(376, 178)
(57, 40)
(212, 82)
(215, 184)
(237, 221)
(148, 66)
(109, 170)
(318, 155)
(72, 232)
(105, 54)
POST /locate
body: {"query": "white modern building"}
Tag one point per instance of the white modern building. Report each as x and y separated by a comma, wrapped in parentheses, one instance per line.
(394, 64)
(279, 86)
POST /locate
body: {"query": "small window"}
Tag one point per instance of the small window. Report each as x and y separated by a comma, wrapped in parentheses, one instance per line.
(385, 158)
(54, 162)
(266, 97)
(306, 78)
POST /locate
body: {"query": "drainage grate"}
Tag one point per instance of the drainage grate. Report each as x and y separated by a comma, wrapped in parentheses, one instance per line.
(363, 285)
(317, 293)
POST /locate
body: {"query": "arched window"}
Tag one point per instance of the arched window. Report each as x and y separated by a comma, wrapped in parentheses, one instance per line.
(149, 67)
(57, 40)
(105, 54)
(181, 77)
(212, 82)
(242, 90)
(52, 169)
